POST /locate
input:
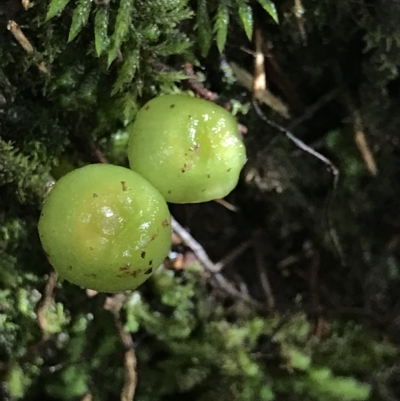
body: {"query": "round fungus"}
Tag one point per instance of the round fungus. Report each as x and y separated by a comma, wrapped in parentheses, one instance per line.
(105, 228)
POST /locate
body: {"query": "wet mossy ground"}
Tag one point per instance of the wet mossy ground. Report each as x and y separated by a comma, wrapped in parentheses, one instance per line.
(314, 314)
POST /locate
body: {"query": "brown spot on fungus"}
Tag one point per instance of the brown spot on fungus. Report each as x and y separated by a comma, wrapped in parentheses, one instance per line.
(95, 195)
(147, 107)
(135, 273)
(125, 267)
(171, 106)
(123, 183)
(185, 168)
(149, 271)
(169, 191)
(150, 262)
(165, 223)
(125, 271)
(143, 254)
(229, 169)
(208, 175)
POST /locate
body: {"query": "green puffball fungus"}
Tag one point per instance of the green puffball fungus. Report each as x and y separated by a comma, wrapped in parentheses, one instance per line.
(190, 149)
(105, 228)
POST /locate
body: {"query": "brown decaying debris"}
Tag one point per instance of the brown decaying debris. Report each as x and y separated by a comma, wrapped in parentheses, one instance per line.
(360, 138)
(26, 4)
(299, 14)
(259, 79)
(87, 397)
(46, 300)
(363, 146)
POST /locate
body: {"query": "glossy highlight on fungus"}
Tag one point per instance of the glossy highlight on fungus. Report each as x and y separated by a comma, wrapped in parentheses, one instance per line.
(105, 228)
(190, 149)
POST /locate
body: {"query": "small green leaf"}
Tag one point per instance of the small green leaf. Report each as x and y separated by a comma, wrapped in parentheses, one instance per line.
(204, 27)
(296, 358)
(221, 25)
(79, 18)
(76, 380)
(173, 45)
(16, 381)
(122, 25)
(246, 16)
(55, 7)
(270, 8)
(323, 384)
(127, 72)
(101, 39)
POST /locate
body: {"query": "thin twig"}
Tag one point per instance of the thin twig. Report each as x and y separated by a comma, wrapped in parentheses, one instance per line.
(227, 205)
(311, 110)
(242, 129)
(239, 250)
(281, 79)
(332, 167)
(14, 28)
(262, 271)
(314, 270)
(201, 254)
(89, 147)
(231, 290)
(359, 135)
(113, 304)
(212, 268)
(128, 391)
(320, 325)
(299, 143)
(196, 86)
(329, 295)
(98, 155)
(246, 80)
(197, 249)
